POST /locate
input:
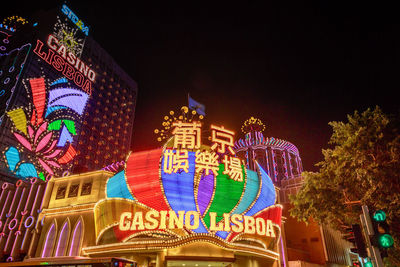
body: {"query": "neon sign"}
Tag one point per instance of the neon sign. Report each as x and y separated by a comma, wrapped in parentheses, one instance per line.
(189, 188)
(66, 63)
(71, 15)
(46, 140)
(153, 219)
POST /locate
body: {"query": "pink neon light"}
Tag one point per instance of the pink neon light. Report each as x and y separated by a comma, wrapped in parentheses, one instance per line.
(283, 252)
(41, 129)
(30, 131)
(45, 140)
(51, 148)
(23, 141)
(46, 167)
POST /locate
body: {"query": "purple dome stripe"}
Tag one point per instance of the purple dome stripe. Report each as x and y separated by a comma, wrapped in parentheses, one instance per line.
(205, 191)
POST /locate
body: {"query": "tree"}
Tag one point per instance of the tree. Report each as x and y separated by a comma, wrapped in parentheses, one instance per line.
(361, 167)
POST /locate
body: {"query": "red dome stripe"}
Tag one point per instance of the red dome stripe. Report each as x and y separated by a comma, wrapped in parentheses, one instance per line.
(143, 178)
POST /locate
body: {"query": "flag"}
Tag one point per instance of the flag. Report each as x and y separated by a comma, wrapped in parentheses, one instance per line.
(198, 107)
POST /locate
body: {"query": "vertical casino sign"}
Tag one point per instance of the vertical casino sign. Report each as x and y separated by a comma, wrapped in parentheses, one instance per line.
(47, 124)
(189, 191)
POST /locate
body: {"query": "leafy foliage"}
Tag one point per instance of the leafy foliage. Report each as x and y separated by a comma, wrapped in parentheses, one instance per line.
(361, 168)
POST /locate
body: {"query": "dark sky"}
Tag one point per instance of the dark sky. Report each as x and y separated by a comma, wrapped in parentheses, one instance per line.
(296, 66)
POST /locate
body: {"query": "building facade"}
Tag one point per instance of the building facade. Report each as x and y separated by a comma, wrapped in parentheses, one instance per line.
(95, 215)
(184, 204)
(64, 97)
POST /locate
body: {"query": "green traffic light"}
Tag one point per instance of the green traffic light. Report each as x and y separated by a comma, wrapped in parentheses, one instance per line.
(386, 241)
(368, 264)
(379, 216)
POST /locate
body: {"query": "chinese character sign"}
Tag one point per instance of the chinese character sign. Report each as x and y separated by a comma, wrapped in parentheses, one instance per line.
(187, 135)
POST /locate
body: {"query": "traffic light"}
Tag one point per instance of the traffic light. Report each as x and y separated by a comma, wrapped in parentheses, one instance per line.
(354, 235)
(368, 264)
(359, 241)
(382, 237)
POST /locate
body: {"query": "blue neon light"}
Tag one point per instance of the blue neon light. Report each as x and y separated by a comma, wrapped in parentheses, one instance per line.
(117, 187)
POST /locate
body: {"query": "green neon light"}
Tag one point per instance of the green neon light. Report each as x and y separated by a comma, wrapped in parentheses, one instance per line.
(379, 216)
(386, 241)
(41, 176)
(227, 195)
(55, 125)
(70, 126)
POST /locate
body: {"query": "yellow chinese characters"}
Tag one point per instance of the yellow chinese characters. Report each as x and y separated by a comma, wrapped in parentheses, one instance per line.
(207, 161)
(175, 161)
(233, 167)
(187, 134)
(222, 139)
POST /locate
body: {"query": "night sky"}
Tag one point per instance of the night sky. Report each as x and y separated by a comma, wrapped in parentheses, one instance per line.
(296, 66)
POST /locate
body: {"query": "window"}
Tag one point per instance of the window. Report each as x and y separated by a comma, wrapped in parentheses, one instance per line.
(76, 239)
(86, 189)
(73, 190)
(50, 240)
(62, 240)
(61, 192)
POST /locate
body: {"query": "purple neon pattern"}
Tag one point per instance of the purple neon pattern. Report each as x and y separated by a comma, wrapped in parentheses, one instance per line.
(259, 139)
(64, 137)
(205, 191)
(68, 97)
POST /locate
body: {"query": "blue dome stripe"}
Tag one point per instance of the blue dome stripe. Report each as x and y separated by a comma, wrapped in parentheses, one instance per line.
(117, 187)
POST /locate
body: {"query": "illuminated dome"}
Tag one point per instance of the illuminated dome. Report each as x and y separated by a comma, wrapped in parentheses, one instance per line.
(280, 158)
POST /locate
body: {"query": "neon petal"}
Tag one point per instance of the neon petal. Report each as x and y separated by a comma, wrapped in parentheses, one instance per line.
(30, 131)
(68, 97)
(12, 157)
(44, 141)
(39, 97)
(46, 167)
(53, 163)
(68, 156)
(26, 170)
(50, 148)
(41, 129)
(52, 155)
(23, 141)
(19, 119)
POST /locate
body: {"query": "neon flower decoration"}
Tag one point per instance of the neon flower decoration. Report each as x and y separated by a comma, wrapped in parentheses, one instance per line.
(188, 203)
(46, 138)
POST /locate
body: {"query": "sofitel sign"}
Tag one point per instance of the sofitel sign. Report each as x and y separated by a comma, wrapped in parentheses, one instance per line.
(79, 23)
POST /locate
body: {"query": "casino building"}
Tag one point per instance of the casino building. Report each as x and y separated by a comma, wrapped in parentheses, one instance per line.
(184, 204)
(66, 105)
